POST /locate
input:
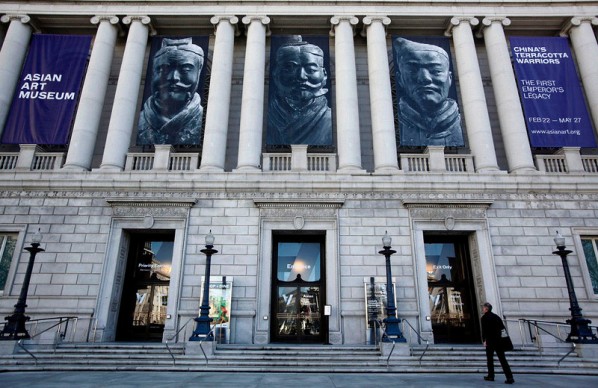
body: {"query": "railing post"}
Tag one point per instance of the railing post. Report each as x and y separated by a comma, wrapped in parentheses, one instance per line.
(436, 158)
(26, 156)
(572, 158)
(162, 157)
(299, 157)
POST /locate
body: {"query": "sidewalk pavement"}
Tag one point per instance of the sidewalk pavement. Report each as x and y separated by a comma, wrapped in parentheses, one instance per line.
(306, 379)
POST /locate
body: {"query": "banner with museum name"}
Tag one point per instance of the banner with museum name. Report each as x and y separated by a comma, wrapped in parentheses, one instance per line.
(553, 101)
(48, 90)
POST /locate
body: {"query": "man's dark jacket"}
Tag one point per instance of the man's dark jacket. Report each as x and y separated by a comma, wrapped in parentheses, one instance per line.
(491, 327)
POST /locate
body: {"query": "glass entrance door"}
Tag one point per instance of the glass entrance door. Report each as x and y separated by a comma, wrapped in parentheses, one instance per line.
(298, 289)
(145, 292)
(299, 314)
(450, 287)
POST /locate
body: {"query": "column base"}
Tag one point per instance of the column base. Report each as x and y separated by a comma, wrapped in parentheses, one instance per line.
(387, 171)
(490, 170)
(74, 167)
(210, 169)
(351, 171)
(108, 168)
(524, 170)
(247, 169)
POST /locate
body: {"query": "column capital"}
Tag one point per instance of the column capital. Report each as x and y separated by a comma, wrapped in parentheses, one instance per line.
(143, 19)
(488, 20)
(232, 19)
(336, 21)
(457, 20)
(265, 20)
(97, 19)
(370, 20)
(577, 21)
(9, 17)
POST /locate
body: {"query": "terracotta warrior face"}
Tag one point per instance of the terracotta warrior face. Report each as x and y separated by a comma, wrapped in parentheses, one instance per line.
(425, 77)
(300, 75)
(175, 78)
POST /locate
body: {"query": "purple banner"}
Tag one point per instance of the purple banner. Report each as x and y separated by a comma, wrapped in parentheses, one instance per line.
(47, 92)
(553, 101)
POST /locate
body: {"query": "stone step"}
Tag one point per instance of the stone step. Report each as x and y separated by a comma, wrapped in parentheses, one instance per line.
(284, 358)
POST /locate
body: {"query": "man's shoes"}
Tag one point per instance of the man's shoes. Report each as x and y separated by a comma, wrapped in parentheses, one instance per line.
(488, 378)
(509, 381)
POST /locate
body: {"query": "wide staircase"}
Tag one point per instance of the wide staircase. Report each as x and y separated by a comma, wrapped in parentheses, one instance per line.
(288, 358)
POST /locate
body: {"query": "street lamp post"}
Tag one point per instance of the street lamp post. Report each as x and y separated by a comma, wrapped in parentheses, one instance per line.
(14, 329)
(392, 331)
(580, 331)
(202, 328)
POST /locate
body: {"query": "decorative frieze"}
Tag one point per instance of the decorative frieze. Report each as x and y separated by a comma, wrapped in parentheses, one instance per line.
(150, 209)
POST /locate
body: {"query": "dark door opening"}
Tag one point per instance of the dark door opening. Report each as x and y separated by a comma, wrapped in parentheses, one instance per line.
(298, 289)
(453, 306)
(145, 292)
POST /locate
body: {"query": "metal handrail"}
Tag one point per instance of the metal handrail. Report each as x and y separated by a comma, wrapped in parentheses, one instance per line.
(384, 334)
(566, 355)
(59, 323)
(210, 334)
(536, 325)
(20, 343)
(173, 337)
(419, 337)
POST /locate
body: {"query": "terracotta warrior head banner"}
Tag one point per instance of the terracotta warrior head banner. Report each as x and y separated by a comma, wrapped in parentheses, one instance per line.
(427, 96)
(172, 111)
(299, 97)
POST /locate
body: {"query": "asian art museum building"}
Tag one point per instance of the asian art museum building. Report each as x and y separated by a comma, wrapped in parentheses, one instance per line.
(298, 134)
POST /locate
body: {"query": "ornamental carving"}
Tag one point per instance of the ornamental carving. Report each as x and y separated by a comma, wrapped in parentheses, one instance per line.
(447, 213)
(150, 209)
(298, 210)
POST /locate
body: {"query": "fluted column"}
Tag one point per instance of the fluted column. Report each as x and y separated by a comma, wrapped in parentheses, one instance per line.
(510, 112)
(216, 129)
(383, 128)
(122, 118)
(89, 111)
(586, 52)
(252, 102)
(12, 57)
(473, 99)
(347, 106)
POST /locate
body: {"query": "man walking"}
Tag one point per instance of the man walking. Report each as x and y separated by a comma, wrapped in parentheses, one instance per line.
(491, 328)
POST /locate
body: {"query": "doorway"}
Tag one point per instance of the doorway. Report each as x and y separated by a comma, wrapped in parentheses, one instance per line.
(298, 288)
(144, 300)
(453, 306)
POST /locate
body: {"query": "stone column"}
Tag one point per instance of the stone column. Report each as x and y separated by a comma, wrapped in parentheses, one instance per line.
(347, 104)
(216, 129)
(586, 52)
(383, 128)
(89, 111)
(473, 100)
(12, 57)
(122, 118)
(510, 112)
(252, 102)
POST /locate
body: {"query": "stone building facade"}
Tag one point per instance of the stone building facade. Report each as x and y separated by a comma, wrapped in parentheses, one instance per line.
(484, 214)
